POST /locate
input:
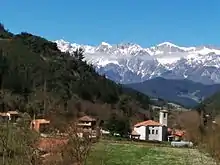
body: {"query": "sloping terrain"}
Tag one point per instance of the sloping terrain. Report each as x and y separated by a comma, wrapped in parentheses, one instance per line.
(191, 73)
(211, 105)
(39, 79)
(184, 92)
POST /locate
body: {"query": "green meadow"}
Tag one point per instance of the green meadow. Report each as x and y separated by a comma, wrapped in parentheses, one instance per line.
(120, 153)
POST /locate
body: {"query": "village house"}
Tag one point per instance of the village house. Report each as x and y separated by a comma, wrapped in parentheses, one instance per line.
(39, 125)
(152, 130)
(135, 135)
(88, 124)
(176, 134)
(50, 147)
(11, 116)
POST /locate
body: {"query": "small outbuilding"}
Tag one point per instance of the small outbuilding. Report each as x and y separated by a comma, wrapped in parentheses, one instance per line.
(135, 135)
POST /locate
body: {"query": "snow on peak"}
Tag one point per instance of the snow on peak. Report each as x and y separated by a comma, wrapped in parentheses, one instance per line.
(167, 44)
(128, 62)
(62, 42)
(105, 44)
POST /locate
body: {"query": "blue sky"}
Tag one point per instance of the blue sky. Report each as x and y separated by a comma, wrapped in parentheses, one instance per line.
(146, 22)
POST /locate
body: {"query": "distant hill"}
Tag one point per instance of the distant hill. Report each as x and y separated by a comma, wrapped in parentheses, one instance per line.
(184, 92)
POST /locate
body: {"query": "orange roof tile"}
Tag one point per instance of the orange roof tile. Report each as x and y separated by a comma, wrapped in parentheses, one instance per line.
(41, 121)
(86, 118)
(9, 112)
(3, 114)
(178, 132)
(148, 123)
(13, 112)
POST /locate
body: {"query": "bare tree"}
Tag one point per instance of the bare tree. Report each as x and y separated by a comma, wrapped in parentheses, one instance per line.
(78, 147)
(16, 144)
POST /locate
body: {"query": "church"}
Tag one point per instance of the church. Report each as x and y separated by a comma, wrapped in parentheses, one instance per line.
(153, 130)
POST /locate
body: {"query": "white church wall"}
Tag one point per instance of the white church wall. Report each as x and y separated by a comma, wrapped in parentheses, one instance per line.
(142, 131)
(154, 133)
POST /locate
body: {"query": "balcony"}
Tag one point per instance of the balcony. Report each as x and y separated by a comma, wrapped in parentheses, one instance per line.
(85, 124)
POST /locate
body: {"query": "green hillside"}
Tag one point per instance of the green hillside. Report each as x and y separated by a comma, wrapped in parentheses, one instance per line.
(37, 78)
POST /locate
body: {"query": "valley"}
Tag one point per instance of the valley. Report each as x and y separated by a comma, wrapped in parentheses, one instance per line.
(185, 92)
(109, 82)
(60, 89)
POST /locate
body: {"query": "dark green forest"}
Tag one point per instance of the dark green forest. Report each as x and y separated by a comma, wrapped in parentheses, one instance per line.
(35, 77)
(210, 105)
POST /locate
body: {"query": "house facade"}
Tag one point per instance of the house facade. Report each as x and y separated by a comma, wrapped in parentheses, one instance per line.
(153, 130)
(88, 124)
(10, 116)
(39, 125)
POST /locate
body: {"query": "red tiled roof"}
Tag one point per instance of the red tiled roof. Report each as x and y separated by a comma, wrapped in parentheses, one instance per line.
(9, 112)
(148, 123)
(178, 132)
(3, 114)
(13, 112)
(86, 118)
(41, 121)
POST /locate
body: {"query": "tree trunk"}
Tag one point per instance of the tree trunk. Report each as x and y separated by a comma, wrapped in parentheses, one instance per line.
(65, 105)
(45, 95)
(1, 82)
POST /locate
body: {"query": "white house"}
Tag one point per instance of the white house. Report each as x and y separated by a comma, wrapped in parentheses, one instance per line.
(153, 130)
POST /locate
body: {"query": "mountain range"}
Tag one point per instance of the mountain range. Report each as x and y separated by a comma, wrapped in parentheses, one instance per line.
(186, 75)
(131, 63)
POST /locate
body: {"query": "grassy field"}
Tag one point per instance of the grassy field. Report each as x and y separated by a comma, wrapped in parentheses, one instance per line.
(106, 153)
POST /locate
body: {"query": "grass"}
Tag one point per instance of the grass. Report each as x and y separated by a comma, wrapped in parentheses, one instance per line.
(105, 153)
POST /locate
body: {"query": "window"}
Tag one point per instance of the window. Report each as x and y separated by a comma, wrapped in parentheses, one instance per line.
(152, 131)
(148, 131)
(156, 131)
(164, 115)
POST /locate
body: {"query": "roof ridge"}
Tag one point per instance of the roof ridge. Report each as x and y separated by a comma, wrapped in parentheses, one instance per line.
(148, 123)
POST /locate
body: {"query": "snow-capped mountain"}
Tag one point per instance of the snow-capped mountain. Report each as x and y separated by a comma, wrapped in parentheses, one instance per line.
(131, 63)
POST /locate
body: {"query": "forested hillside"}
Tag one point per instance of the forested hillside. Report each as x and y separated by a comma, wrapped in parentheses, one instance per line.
(35, 77)
(184, 92)
(211, 105)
